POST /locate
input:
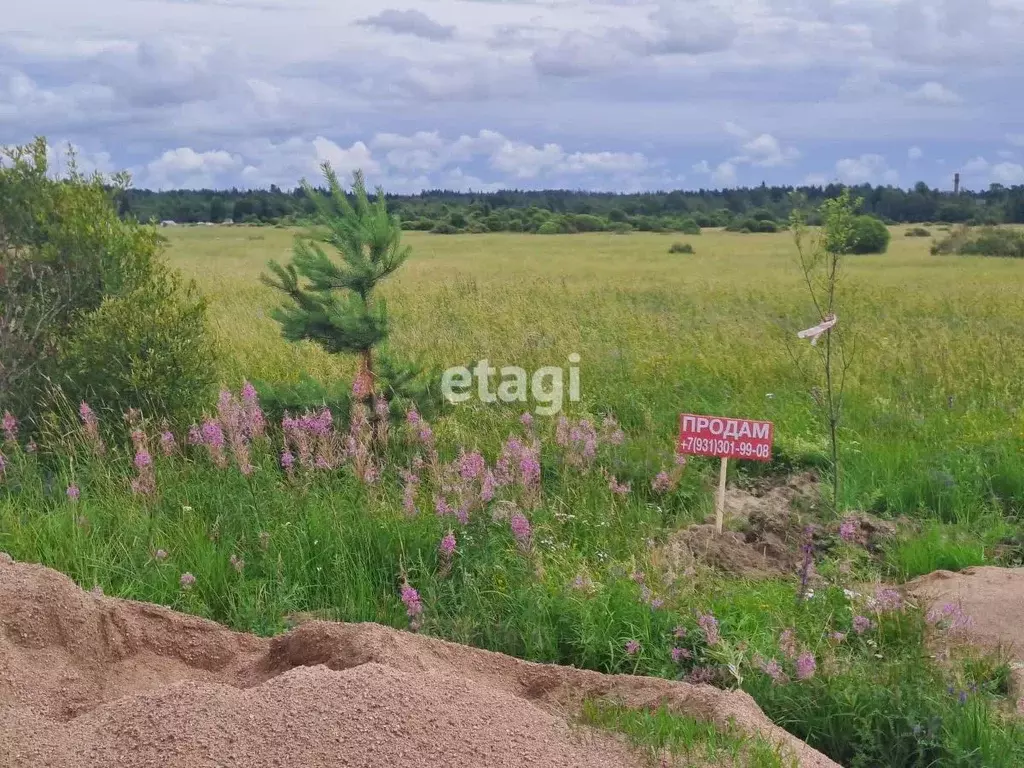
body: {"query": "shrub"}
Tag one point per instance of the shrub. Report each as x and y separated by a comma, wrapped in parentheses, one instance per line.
(64, 251)
(689, 227)
(444, 229)
(748, 226)
(918, 232)
(868, 235)
(681, 248)
(987, 241)
(146, 349)
(549, 227)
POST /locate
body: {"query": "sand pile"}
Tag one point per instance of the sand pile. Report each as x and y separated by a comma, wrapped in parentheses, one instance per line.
(87, 680)
(994, 600)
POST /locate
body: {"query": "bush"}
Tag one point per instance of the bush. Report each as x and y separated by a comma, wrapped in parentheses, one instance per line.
(918, 232)
(987, 241)
(549, 227)
(868, 235)
(748, 226)
(146, 349)
(689, 227)
(681, 248)
(64, 252)
(444, 229)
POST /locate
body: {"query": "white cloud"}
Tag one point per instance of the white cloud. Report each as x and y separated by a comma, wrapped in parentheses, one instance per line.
(765, 150)
(915, 153)
(725, 174)
(866, 169)
(702, 167)
(1015, 139)
(1008, 174)
(935, 93)
(976, 165)
(185, 168)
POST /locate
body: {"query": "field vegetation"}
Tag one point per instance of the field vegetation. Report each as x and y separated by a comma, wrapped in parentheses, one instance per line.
(539, 537)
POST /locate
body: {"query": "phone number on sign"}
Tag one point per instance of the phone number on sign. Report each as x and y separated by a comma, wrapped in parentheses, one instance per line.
(698, 445)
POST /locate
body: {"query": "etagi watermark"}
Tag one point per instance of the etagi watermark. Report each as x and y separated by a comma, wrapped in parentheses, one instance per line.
(546, 385)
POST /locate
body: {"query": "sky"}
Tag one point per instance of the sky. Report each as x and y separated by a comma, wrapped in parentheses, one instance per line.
(610, 95)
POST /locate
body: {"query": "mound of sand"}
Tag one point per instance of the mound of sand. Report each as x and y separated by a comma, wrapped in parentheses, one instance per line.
(87, 680)
(994, 600)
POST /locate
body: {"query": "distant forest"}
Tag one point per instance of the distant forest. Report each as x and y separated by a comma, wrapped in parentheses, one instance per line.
(755, 209)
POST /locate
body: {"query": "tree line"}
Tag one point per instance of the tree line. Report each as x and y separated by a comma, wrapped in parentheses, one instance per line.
(756, 209)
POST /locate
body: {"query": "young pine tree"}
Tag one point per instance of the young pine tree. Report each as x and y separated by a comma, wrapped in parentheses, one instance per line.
(336, 308)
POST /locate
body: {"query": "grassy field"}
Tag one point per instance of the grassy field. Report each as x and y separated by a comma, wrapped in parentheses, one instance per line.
(933, 421)
(557, 566)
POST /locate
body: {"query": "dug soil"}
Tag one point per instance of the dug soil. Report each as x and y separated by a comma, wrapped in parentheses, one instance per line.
(993, 598)
(87, 680)
(766, 526)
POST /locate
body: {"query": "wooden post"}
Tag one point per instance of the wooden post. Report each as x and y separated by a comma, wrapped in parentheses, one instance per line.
(720, 505)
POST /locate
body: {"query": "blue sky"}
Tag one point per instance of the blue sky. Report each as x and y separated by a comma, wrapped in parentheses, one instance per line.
(483, 94)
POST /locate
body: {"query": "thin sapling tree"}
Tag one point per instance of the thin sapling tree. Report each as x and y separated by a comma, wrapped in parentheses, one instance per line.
(336, 308)
(821, 257)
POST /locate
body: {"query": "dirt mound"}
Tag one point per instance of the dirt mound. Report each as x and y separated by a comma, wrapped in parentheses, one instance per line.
(993, 598)
(87, 680)
(766, 526)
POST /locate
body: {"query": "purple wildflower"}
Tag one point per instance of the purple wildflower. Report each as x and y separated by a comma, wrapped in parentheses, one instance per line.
(861, 624)
(632, 647)
(413, 605)
(187, 580)
(287, 460)
(679, 633)
(887, 600)
(787, 643)
(521, 529)
(160, 555)
(773, 669)
(709, 625)
(10, 427)
(662, 483)
(527, 420)
(167, 443)
(471, 466)
(679, 654)
(447, 545)
(848, 530)
(805, 666)
(73, 492)
(143, 459)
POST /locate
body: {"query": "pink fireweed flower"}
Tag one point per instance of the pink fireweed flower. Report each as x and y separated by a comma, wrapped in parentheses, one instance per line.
(848, 530)
(91, 426)
(412, 418)
(773, 669)
(861, 624)
(887, 600)
(632, 647)
(160, 555)
(143, 459)
(526, 419)
(619, 489)
(530, 469)
(837, 637)
(73, 492)
(253, 421)
(521, 530)
(679, 633)
(187, 580)
(787, 643)
(3, 463)
(611, 432)
(447, 545)
(951, 617)
(805, 666)
(10, 427)
(287, 460)
(471, 466)
(709, 625)
(441, 506)
(413, 605)
(167, 443)
(212, 434)
(562, 432)
(487, 487)
(662, 483)
(680, 654)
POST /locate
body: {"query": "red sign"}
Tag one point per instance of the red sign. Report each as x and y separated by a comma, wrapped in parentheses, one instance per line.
(725, 438)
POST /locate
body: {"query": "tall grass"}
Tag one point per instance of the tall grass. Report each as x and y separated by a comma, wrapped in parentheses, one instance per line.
(932, 421)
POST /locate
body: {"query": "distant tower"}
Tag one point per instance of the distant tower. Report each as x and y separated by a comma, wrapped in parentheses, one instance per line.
(956, 184)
